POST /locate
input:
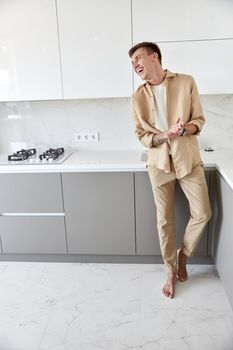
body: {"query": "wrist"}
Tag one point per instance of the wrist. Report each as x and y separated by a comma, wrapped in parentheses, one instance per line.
(157, 139)
(190, 129)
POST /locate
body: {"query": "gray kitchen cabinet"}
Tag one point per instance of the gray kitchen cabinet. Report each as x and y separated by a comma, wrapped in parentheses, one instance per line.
(0, 245)
(30, 193)
(99, 211)
(33, 235)
(223, 233)
(147, 242)
(31, 213)
(182, 215)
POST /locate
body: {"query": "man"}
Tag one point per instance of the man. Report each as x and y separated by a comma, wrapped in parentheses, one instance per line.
(168, 116)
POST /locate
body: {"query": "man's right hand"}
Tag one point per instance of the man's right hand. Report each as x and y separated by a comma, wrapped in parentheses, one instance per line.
(175, 130)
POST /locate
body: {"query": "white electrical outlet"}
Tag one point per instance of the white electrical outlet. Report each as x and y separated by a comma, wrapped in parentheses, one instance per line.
(87, 136)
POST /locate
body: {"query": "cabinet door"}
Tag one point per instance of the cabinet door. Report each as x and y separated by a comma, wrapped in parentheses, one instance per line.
(147, 241)
(223, 237)
(201, 60)
(31, 193)
(182, 215)
(29, 51)
(33, 235)
(99, 212)
(169, 20)
(95, 37)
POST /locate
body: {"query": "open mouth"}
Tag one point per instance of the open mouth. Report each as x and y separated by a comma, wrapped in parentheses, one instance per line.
(140, 70)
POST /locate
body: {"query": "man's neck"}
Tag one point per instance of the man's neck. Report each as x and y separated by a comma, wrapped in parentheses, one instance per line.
(158, 78)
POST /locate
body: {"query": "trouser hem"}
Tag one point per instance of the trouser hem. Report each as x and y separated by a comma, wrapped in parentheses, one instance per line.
(172, 270)
(186, 252)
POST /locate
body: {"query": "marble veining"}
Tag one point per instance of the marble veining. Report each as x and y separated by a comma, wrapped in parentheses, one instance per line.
(72, 306)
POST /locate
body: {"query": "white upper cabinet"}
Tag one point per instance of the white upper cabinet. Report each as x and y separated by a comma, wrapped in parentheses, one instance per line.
(29, 51)
(195, 37)
(169, 20)
(209, 62)
(95, 37)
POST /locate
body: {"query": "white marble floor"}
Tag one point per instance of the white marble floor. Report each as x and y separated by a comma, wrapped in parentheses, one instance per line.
(71, 306)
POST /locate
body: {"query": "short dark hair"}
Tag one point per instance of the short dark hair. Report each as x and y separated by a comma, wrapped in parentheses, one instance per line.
(150, 48)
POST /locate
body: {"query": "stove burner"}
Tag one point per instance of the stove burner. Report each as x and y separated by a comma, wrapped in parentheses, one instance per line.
(30, 156)
(22, 155)
(51, 153)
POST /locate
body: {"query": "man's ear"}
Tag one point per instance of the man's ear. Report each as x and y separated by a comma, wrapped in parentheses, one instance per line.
(155, 56)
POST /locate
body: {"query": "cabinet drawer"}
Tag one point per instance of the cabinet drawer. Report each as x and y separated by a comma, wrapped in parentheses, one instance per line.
(35, 234)
(30, 193)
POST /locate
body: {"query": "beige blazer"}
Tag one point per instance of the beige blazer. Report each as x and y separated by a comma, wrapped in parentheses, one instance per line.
(183, 102)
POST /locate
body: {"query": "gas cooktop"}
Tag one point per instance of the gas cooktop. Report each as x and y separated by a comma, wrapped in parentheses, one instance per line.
(31, 156)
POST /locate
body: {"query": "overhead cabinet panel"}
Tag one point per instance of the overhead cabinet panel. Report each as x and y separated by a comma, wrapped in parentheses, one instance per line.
(169, 20)
(29, 51)
(209, 62)
(95, 37)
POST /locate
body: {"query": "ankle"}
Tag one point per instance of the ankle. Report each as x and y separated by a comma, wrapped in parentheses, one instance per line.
(172, 275)
(181, 252)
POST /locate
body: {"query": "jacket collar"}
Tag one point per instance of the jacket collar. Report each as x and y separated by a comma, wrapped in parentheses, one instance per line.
(168, 75)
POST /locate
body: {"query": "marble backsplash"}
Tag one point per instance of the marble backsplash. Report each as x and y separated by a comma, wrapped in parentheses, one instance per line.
(218, 130)
(54, 123)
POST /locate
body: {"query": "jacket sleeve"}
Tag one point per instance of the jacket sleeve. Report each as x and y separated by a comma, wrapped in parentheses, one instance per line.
(145, 137)
(196, 113)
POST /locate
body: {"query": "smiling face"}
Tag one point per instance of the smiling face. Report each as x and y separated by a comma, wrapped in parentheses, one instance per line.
(145, 64)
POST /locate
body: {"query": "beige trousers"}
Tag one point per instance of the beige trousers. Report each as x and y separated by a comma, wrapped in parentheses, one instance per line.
(195, 189)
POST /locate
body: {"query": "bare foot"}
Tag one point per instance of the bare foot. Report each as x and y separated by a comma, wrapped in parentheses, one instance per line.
(182, 274)
(169, 288)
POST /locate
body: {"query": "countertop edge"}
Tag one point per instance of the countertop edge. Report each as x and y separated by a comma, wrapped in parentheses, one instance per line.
(119, 161)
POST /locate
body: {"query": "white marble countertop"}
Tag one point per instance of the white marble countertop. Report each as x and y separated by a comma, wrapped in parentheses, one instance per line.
(222, 160)
(118, 161)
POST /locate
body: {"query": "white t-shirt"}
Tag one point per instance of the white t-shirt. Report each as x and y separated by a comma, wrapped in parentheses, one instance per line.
(160, 95)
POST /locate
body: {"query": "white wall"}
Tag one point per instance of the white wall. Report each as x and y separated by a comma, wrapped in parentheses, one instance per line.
(54, 123)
